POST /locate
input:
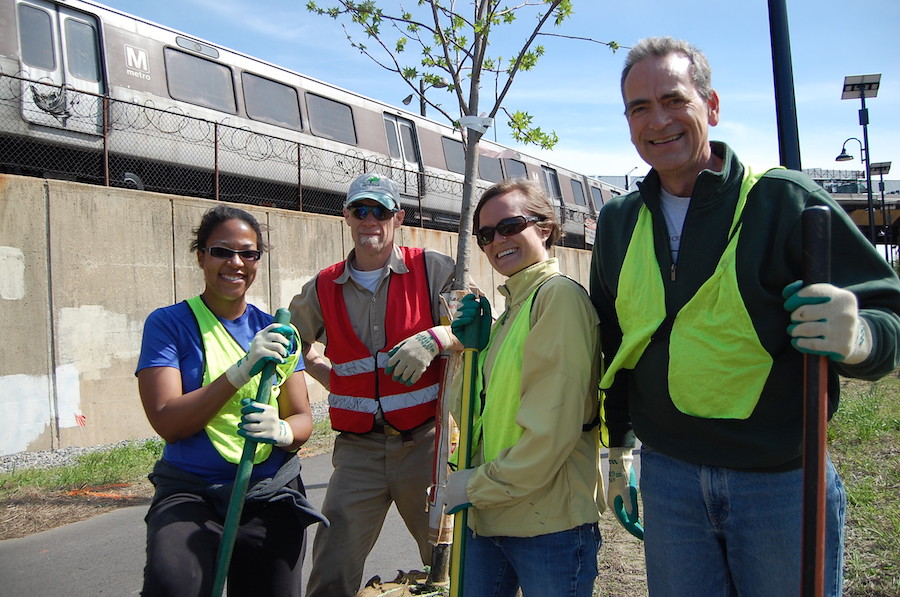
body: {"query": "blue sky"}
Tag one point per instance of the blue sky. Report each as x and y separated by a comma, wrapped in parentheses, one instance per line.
(575, 88)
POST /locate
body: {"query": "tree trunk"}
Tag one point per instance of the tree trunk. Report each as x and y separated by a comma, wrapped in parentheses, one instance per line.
(463, 247)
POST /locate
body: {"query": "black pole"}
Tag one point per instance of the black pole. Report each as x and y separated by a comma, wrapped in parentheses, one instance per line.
(864, 122)
(816, 233)
(785, 106)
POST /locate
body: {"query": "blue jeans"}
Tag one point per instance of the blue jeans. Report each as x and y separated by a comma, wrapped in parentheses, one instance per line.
(718, 532)
(560, 564)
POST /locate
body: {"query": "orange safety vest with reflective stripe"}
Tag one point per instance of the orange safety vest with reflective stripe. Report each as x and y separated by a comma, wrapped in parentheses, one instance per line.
(358, 381)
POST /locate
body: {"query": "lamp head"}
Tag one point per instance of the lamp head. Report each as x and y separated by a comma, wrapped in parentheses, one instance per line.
(407, 99)
(844, 156)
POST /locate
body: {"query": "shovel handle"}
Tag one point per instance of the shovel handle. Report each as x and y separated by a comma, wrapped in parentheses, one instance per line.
(816, 233)
(242, 478)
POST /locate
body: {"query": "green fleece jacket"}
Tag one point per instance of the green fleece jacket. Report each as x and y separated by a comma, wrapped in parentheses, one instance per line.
(769, 257)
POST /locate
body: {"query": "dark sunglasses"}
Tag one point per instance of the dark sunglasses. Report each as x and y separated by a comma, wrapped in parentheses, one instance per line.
(223, 253)
(507, 227)
(381, 213)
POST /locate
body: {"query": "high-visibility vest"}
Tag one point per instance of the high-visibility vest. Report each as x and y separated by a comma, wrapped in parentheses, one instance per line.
(495, 419)
(358, 381)
(717, 365)
(221, 351)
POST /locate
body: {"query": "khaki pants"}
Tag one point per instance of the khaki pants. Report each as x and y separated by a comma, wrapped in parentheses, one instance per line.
(371, 471)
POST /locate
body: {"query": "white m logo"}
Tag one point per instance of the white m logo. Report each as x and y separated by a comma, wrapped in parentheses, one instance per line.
(136, 58)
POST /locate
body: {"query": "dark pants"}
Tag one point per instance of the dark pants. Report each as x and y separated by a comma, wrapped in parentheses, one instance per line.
(183, 535)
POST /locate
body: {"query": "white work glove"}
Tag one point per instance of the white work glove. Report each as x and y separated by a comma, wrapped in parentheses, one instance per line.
(455, 496)
(409, 358)
(825, 321)
(622, 493)
(261, 423)
(270, 344)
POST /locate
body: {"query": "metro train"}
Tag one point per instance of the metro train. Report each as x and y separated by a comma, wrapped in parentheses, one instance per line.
(90, 93)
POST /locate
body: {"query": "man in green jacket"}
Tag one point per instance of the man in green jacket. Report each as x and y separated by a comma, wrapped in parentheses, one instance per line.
(715, 394)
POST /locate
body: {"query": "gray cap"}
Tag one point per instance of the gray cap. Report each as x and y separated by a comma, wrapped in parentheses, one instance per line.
(376, 187)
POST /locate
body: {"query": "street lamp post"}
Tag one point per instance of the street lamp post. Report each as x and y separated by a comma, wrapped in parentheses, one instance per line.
(864, 158)
(627, 186)
(439, 84)
(880, 169)
(863, 86)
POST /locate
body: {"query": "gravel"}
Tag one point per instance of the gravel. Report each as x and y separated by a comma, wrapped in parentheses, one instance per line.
(42, 459)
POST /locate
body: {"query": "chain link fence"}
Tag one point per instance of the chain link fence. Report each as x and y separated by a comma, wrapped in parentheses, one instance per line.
(54, 131)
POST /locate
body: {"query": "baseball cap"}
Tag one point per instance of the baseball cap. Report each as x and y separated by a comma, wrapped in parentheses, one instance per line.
(377, 187)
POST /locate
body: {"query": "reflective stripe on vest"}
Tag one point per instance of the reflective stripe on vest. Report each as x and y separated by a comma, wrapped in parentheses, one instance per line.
(717, 366)
(357, 381)
(221, 351)
(497, 421)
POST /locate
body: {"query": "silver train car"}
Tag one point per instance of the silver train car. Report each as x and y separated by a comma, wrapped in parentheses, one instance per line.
(93, 94)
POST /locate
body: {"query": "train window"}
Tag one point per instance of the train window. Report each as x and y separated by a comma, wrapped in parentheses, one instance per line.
(578, 191)
(408, 141)
(81, 50)
(551, 184)
(515, 168)
(393, 140)
(200, 81)
(270, 101)
(454, 155)
(401, 138)
(36, 38)
(597, 195)
(489, 168)
(330, 119)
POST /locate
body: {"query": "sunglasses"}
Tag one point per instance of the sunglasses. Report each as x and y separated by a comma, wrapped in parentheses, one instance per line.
(223, 253)
(381, 213)
(506, 227)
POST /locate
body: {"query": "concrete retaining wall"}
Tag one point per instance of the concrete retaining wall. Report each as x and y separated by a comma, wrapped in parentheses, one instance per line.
(82, 266)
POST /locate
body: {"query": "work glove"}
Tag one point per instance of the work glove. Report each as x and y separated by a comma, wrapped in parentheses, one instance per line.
(622, 492)
(825, 321)
(473, 322)
(270, 345)
(410, 358)
(261, 423)
(455, 496)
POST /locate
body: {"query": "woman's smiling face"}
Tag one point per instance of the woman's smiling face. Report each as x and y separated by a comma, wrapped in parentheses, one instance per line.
(513, 253)
(227, 280)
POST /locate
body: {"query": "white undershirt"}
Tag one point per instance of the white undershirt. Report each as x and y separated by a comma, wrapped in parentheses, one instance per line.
(368, 280)
(674, 209)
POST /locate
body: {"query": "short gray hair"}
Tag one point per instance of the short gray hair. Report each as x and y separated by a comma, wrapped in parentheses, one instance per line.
(659, 47)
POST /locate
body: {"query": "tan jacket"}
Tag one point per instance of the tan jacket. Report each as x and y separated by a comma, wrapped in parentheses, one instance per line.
(549, 480)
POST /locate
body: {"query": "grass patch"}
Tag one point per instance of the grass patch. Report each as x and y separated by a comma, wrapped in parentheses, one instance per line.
(129, 462)
(864, 441)
(124, 463)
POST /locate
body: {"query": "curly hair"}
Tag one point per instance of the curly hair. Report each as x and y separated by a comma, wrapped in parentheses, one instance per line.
(218, 215)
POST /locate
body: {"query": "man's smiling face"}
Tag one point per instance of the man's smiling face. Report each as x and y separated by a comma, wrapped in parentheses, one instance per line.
(668, 119)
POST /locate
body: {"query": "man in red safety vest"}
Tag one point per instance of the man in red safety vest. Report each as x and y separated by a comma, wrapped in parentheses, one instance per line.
(378, 314)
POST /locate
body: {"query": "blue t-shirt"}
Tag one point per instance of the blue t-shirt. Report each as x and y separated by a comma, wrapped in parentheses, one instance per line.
(172, 339)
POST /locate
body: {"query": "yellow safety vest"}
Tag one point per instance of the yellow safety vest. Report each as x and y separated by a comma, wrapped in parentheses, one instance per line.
(717, 365)
(221, 351)
(496, 422)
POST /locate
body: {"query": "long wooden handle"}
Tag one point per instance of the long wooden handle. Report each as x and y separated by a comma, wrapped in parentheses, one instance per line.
(816, 231)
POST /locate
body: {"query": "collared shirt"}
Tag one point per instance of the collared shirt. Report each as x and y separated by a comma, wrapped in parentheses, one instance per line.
(366, 309)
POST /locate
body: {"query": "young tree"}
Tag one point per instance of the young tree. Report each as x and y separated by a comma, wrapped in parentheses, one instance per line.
(453, 53)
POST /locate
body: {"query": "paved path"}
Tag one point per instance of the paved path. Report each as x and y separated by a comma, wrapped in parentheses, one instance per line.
(105, 554)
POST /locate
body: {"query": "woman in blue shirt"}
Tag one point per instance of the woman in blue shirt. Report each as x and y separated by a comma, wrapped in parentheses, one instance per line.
(197, 369)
